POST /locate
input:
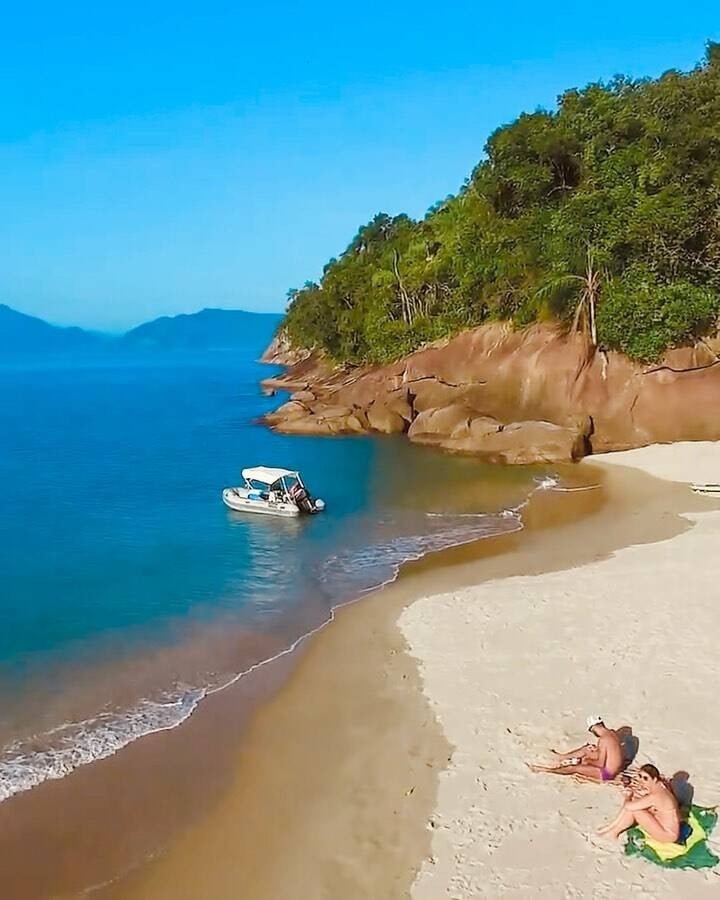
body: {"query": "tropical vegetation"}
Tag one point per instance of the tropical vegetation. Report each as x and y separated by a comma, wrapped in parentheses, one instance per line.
(602, 214)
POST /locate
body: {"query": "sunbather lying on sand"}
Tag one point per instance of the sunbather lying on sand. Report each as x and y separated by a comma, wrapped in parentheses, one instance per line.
(651, 805)
(597, 762)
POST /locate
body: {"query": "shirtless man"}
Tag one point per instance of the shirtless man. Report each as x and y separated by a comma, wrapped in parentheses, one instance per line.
(651, 805)
(597, 762)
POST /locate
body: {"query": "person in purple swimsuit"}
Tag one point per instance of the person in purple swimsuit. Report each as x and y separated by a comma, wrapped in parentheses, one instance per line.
(601, 762)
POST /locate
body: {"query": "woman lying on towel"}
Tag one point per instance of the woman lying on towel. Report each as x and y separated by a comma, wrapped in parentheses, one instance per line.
(651, 805)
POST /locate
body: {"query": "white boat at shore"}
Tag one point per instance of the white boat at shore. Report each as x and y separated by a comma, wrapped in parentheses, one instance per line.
(271, 492)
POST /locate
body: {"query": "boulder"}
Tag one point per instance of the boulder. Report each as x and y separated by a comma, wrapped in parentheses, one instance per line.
(305, 396)
(433, 426)
(353, 424)
(333, 412)
(385, 420)
(523, 443)
(459, 429)
(397, 402)
(431, 393)
(296, 418)
(468, 438)
(288, 411)
(307, 425)
(428, 394)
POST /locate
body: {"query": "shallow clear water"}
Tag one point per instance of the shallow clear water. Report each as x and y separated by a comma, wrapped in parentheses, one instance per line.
(128, 590)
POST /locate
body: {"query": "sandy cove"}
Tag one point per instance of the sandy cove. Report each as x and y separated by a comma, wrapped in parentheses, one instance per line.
(512, 666)
(386, 774)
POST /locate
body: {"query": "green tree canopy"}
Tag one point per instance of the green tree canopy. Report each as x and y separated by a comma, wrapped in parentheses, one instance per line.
(625, 174)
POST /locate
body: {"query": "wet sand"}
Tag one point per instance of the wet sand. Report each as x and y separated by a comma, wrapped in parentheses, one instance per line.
(335, 787)
(66, 836)
(339, 750)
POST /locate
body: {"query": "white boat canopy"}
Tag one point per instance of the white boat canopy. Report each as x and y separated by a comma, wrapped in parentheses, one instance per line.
(267, 475)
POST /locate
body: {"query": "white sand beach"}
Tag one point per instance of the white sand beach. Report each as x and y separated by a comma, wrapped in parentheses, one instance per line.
(512, 667)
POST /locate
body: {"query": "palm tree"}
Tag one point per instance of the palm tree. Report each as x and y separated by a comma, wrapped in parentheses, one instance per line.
(586, 288)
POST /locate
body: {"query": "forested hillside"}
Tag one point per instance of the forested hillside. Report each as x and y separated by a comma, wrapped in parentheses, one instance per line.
(603, 214)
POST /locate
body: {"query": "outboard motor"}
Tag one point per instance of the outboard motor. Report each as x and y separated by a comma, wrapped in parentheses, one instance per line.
(301, 497)
(304, 501)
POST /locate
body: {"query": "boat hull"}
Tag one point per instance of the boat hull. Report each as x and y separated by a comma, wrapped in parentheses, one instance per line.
(238, 500)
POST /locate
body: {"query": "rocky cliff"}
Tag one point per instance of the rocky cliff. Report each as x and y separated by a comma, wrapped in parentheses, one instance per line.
(536, 395)
(280, 352)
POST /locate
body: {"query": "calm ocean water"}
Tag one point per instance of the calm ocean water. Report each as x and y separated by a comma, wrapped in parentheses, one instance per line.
(129, 592)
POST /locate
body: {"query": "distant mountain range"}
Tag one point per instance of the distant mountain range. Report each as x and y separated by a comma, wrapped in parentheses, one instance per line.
(209, 329)
(21, 334)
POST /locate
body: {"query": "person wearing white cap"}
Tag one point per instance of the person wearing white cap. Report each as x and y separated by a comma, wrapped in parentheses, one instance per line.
(601, 762)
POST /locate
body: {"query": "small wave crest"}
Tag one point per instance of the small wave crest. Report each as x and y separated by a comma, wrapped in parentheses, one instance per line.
(26, 764)
(547, 483)
(553, 483)
(362, 569)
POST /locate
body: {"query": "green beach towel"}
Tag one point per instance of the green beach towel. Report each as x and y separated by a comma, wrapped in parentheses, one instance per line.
(693, 853)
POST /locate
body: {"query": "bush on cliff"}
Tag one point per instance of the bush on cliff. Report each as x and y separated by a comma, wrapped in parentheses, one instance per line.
(626, 174)
(643, 318)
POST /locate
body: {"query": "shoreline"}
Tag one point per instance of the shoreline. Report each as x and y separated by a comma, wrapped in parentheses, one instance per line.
(352, 671)
(363, 826)
(345, 803)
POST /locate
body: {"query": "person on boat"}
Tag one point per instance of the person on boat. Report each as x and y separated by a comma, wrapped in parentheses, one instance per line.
(601, 762)
(651, 805)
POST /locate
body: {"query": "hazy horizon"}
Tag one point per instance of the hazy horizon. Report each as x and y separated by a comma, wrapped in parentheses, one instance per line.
(120, 331)
(157, 164)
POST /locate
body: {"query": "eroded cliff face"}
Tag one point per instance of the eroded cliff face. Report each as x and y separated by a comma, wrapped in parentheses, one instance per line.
(536, 395)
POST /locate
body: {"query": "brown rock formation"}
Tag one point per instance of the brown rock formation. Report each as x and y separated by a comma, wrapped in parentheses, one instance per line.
(280, 352)
(385, 420)
(516, 396)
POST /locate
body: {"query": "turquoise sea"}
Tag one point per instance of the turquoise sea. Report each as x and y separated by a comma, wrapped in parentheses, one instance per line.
(128, 591)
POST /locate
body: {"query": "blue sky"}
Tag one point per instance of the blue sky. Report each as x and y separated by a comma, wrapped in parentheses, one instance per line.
(156, 158)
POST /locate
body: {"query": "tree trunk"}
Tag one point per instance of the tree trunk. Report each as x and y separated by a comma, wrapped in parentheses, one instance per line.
(592, 290)
(404, 298)
(593, 325)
